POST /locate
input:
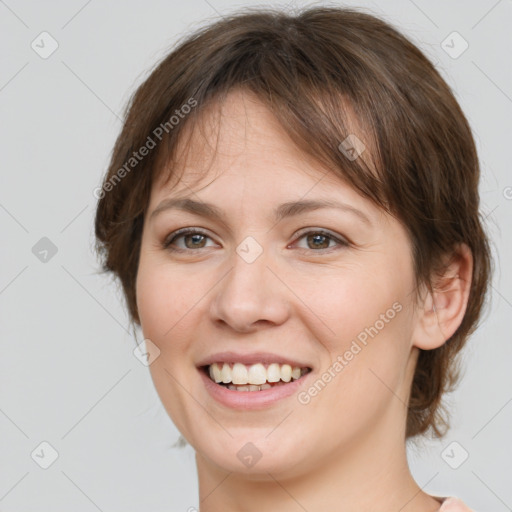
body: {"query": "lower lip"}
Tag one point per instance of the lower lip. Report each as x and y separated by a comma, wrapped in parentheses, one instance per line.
(250, 400)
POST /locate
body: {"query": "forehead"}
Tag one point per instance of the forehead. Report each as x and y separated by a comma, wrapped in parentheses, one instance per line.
(239, 140)
(238, 129)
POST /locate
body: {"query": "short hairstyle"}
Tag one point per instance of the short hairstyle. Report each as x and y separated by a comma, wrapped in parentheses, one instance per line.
(310, 68)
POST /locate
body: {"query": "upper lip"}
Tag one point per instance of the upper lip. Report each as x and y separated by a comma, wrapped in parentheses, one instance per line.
(251, 358)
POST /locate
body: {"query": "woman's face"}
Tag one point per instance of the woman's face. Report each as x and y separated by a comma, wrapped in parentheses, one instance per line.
(263, 283)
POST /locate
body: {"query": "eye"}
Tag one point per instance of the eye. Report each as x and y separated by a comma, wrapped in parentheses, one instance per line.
(192, 238)
(320, 240)
(317, 240)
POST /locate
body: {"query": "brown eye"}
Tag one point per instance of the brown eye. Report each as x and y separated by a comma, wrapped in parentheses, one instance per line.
(192, 238)
(196, 241)
(318, 241)
(321, 240)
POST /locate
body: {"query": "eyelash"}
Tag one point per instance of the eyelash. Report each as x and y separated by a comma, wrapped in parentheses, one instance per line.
(192, 231)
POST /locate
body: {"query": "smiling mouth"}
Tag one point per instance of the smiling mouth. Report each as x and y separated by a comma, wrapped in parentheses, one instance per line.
(255, 377)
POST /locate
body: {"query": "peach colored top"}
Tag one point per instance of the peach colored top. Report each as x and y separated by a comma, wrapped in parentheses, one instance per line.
(454, 505)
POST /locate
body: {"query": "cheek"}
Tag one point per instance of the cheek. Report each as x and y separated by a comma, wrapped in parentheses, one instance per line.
(163, 299)
(366, 326)
(357, 302)
(164, 303)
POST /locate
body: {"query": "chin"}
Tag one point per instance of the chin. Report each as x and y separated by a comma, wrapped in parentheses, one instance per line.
(253, 453)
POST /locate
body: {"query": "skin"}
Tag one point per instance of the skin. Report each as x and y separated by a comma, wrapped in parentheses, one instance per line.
(307, 298)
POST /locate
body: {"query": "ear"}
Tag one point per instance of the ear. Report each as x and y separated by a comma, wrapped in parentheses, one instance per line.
(443, 307)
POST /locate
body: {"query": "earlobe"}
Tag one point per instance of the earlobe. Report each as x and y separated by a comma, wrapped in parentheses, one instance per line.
(445, 305)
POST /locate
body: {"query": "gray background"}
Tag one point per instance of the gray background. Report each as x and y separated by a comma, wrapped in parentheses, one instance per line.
(68, 375)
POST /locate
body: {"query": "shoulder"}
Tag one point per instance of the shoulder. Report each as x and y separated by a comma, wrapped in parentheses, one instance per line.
(454, 505)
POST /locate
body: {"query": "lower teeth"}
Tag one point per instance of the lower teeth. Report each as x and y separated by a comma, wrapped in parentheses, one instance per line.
(252, 387)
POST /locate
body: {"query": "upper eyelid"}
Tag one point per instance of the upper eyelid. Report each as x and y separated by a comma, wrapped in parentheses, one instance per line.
(323, 231)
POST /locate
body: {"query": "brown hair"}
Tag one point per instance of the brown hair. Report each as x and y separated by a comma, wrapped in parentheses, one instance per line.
(309, 68)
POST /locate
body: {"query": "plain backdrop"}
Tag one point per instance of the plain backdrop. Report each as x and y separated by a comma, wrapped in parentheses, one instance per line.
(73, 396)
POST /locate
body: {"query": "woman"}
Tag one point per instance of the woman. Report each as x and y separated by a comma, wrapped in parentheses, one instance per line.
(292, 209)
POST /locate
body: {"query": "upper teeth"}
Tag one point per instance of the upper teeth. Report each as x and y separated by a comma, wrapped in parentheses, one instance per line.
(256, 374)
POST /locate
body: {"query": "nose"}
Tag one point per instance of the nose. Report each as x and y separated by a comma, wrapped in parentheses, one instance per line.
(250, 296)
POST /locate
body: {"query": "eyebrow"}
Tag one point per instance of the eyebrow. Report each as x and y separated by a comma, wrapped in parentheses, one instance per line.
(288, 209)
